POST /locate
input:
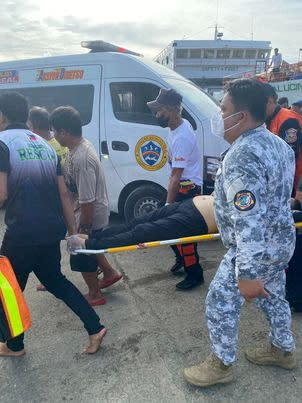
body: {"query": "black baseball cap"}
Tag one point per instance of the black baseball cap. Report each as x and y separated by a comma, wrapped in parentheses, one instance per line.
(165, 98)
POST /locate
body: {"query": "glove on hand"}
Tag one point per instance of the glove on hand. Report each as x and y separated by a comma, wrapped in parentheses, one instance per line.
(74, 242)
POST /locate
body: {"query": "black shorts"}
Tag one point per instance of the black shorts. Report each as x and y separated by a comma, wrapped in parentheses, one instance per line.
(85, 263)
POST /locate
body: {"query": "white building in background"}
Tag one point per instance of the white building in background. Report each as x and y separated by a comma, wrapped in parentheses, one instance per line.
(209, 62)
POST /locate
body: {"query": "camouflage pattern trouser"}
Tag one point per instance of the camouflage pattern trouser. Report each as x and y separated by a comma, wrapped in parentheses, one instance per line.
(223, 305)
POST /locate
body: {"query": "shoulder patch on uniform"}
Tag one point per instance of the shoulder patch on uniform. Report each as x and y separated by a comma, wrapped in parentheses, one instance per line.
(244, 200)
(291, 135)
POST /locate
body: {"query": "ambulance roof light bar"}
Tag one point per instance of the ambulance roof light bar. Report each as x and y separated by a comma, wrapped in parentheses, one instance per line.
(101, 46)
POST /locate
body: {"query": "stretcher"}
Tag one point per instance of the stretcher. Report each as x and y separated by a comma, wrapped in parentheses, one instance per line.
(155, 244)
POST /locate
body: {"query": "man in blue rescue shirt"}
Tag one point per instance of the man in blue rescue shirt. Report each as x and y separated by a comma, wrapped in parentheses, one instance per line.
(36, 199)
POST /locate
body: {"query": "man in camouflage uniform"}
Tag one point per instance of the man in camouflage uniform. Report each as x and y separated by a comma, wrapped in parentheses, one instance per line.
(252, 208)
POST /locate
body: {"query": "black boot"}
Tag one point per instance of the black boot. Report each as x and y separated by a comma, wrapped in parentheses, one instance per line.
(193, 279)
(178, 265)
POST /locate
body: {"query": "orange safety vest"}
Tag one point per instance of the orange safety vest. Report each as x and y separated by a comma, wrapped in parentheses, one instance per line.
(14, 313)
(275, 126)
(280, 118)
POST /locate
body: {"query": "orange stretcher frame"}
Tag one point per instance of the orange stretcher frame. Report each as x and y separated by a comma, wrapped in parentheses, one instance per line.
(15, 316)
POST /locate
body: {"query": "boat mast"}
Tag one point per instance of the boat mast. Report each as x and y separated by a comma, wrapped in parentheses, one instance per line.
(216, 24)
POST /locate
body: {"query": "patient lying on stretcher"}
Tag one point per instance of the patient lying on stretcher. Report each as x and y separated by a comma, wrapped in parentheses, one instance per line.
(188, 218)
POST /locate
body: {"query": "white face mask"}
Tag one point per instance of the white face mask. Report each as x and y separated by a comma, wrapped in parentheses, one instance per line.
(217, 124)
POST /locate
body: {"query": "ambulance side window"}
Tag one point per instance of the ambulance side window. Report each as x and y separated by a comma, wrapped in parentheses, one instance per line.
(78, 96)
(129, 103)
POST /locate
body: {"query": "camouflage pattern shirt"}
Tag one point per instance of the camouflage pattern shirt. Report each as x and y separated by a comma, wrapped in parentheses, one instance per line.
(252, 203)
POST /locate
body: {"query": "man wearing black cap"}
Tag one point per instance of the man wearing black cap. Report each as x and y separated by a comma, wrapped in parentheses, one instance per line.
(185, 175)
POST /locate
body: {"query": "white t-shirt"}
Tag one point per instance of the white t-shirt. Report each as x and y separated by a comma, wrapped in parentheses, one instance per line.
(276, 60)
(184, 152)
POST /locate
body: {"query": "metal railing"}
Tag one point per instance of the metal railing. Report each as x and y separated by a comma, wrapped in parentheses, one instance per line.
(287, 72)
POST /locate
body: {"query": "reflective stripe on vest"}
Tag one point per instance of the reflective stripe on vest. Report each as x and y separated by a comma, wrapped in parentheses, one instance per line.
(11, 308)
(12, 299)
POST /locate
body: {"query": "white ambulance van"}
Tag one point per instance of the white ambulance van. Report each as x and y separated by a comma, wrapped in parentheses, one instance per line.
(110, 87)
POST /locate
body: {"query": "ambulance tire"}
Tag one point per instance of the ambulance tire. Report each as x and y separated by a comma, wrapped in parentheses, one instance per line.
(143, 200)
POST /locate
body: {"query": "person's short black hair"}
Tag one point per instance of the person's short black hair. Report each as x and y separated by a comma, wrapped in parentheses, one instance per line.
(250, 95)
(68, 119)
(270, 91)
(39, 118)
(299, 103)
(283, 100)
(14, 107)
(276, 49)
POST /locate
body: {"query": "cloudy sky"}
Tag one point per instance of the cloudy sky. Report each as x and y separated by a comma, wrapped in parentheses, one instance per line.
(34, 28)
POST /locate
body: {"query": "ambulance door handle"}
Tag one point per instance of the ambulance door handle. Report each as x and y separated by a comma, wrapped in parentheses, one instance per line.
(104, 148)
(119, 146)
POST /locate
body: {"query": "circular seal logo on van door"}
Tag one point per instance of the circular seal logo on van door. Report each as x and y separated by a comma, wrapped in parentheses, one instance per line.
(151, 152)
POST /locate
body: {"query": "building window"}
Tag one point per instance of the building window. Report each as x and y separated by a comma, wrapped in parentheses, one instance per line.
(167, 59)
(260, 66)
(262, 54)
(195, 53)
(209, 53)
(250, 54)
(78, 96)
(223, 53)
(238, 54)
(182, 53)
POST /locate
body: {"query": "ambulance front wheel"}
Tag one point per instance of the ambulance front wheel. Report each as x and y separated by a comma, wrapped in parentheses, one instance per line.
(143, 200)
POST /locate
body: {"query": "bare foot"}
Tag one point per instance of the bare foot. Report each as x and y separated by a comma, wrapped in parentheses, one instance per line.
(95, 342)
(6, 352)
(109, 273)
